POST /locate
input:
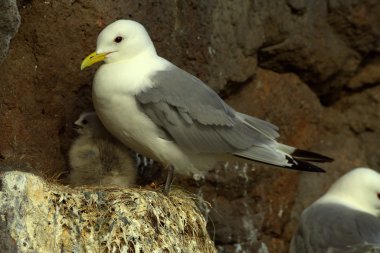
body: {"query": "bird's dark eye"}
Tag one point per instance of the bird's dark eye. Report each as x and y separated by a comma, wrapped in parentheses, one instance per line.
(378, 195)
(118, 39)
(85, 121)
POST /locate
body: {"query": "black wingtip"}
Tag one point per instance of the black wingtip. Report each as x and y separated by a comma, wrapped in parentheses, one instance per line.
(310, 156)
(304, 166)
(295, 164)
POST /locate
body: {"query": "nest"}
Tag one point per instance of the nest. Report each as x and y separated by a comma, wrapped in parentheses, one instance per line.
(37, 216)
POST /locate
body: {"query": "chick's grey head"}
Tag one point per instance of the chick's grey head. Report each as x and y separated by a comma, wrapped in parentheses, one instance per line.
(123, 39)
(89, 124)
(360, 188)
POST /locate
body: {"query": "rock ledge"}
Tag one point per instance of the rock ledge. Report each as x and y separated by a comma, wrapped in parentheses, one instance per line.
(38, 216)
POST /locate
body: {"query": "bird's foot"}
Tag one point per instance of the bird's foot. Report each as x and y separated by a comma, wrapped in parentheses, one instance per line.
(169, 180)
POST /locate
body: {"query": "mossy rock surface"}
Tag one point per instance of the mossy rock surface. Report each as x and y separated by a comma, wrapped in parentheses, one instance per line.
(38, 216)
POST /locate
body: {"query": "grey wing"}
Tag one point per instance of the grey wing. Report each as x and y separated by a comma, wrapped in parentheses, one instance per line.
(369, 228)
(263, 126)
(196, 118)
(359, 248)
(334, 228)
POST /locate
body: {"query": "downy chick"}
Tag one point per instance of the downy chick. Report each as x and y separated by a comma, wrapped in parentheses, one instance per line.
(97, 158)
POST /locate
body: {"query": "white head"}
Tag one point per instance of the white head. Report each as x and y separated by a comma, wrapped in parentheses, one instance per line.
(89, 124)
(121, 40)
(359, 189)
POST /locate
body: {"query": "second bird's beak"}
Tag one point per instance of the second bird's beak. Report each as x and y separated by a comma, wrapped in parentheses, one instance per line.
(91, 59)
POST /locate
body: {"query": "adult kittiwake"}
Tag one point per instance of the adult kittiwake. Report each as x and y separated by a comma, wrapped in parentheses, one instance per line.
(167, 114)
(345, 219)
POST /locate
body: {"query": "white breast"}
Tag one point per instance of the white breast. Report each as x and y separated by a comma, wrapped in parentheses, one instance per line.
(114, 89)
(122, 117)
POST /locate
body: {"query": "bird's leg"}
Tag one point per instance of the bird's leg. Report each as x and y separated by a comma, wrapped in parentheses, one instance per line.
(169, 180)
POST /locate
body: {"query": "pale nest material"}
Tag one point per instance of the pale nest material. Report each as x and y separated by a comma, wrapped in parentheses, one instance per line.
(37, 216)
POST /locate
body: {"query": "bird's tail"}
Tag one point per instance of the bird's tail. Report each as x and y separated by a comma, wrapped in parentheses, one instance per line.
(304, 155)
(286, 157)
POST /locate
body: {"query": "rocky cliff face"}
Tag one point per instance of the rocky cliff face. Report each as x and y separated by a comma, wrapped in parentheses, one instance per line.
(310, 67)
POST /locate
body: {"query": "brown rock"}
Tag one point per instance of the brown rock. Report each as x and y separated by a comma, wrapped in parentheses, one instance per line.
(368, 75)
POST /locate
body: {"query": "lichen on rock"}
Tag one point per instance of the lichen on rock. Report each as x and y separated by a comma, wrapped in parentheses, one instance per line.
(9, 23)
(38, 216)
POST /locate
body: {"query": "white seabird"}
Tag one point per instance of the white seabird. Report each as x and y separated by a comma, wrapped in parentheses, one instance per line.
(345, 219)
(169, 115)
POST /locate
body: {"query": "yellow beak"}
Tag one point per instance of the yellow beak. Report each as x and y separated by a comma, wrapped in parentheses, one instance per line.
(91, 59)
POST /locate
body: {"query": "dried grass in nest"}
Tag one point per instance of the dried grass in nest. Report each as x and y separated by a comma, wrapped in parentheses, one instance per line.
(46, 217)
